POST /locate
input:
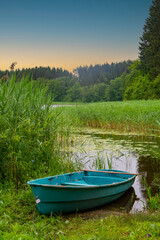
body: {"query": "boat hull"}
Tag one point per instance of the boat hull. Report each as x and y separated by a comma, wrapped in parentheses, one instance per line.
(75, 206)
(65, 199)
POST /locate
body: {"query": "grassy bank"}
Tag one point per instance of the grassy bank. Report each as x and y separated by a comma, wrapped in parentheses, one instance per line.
(19, 219)
(130, 116)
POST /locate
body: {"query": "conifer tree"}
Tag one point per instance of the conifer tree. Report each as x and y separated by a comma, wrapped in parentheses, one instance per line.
(150, 41)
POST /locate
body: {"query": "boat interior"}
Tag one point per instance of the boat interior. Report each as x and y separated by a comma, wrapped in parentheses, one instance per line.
(83, 178)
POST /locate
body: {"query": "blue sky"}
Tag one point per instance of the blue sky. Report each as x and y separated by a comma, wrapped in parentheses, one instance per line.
(70, 33)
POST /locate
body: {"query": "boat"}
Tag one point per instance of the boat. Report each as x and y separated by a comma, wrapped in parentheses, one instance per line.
(78, 191)
(123, 204)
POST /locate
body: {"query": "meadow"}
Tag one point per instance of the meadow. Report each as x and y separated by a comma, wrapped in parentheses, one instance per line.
(33, 137)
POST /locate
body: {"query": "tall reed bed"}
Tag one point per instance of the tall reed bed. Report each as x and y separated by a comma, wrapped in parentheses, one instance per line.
(29, 146)
(129, 116)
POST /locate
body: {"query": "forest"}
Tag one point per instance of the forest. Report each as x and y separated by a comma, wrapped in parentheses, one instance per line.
(125, 80)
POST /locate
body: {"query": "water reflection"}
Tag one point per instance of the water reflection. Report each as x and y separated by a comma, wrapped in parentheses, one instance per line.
(124, 203)
(136, 154)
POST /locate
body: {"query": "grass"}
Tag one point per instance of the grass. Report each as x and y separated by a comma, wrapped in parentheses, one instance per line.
(19, 219)
(130, 116)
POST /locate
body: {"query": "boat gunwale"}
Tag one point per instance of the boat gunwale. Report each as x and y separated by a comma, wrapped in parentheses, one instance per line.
(80, 186)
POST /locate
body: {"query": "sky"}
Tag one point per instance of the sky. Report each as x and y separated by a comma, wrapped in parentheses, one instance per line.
(70, 33)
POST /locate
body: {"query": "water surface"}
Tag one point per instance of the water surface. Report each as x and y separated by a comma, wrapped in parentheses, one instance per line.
(96, 149)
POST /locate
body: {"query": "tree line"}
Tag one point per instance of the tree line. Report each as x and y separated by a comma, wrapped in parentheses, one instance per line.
(37, 72)
(85, 84)
(88, 84)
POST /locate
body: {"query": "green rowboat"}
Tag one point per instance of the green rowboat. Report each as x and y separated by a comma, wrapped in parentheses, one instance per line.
(80, 190)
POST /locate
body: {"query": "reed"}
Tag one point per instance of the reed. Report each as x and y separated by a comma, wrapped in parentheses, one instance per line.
(109, 161)
(29, 132)
(129, 116)
(153, 201)
(99, 162)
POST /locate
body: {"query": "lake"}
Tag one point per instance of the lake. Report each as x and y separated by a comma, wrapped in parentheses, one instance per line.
(97, 149)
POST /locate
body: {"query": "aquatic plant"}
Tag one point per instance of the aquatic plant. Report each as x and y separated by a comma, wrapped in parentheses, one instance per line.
(109, 161)
(153, 201)
(99, 162)
(29, 143)
(129, 116)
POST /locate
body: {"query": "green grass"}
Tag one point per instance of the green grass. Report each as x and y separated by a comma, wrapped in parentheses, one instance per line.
(19, 219)
(128, 116)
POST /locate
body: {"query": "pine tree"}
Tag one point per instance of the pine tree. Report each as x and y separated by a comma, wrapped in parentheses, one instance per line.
(150, 41)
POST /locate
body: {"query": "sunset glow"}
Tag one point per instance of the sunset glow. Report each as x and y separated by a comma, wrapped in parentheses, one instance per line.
(70, 33)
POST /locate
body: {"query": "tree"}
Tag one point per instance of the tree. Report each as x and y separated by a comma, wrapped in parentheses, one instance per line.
(13, 66)
(74, 93)
(91, 75)
(150, 41)
(137, 85)
(114, 90)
